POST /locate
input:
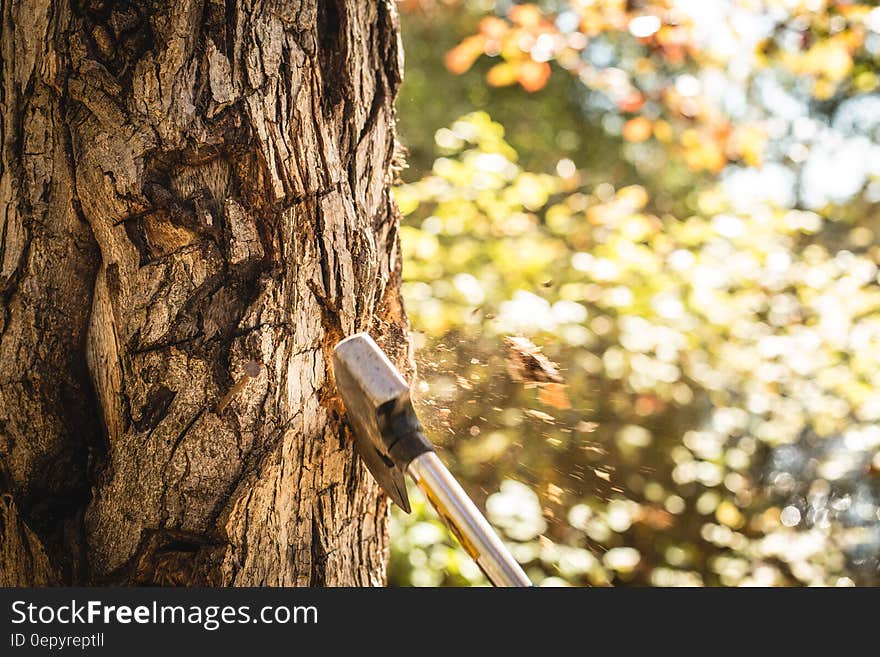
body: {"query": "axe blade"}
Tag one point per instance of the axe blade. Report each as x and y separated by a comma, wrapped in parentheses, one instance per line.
(367, 381)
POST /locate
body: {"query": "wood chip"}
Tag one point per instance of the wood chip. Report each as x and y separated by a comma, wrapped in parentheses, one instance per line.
(526, 364)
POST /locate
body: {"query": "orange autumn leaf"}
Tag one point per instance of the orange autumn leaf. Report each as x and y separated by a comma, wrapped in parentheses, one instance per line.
(462, 57)
(632, 102)
(674, 54)
(493, 27)
(502, 75)
(525, 15)
(533, 75)
(655, 517)
(637, 129)
(553, 394)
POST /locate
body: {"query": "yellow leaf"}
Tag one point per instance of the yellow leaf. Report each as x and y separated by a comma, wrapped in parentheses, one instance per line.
(502, 75)
(823, 89)
(867, 81)
(748, 144)
(634, 196)
(702, 151)
(663, 131)
(728, 514)
(835, 61)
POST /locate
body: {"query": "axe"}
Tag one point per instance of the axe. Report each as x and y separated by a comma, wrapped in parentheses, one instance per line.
(390, 440)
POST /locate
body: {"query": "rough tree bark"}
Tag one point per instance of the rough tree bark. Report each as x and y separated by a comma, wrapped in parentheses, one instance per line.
(195, 207)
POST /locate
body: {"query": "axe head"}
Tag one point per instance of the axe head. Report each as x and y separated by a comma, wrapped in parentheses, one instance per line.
(376, 397)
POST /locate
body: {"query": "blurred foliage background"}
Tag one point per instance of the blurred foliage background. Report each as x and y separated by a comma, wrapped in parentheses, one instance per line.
(677, 203)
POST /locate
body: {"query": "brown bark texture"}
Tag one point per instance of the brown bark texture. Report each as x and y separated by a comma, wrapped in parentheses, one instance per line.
(194, 208)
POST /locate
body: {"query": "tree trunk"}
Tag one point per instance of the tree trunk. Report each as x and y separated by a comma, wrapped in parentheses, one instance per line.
(195, 208)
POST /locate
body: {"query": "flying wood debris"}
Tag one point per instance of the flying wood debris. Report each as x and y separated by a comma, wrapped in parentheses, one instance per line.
(602, 474)
(541, 415)
(527, 365)
(553, 394)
